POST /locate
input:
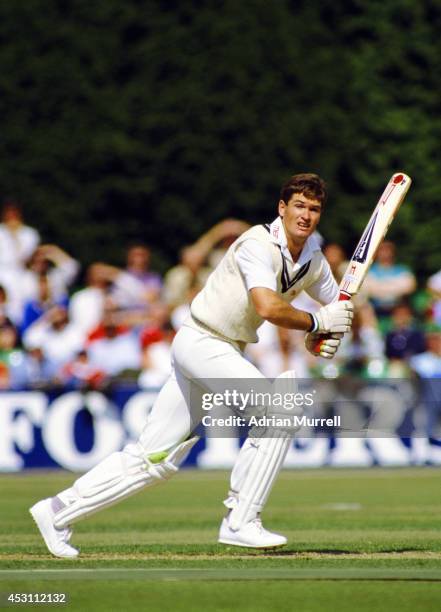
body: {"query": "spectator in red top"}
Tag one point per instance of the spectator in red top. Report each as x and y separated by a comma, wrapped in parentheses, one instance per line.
(156, 356)
(82, 374)
(116, 349)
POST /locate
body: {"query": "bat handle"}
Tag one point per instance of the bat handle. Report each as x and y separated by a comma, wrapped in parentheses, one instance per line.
(342, 297)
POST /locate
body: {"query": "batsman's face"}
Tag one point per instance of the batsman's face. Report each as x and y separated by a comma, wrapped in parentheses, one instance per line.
(300, 216)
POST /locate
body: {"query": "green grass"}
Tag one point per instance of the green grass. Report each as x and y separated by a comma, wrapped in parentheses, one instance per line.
(358, 540)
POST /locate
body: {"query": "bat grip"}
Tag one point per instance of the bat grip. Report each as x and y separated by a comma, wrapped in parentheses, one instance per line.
(342, 297)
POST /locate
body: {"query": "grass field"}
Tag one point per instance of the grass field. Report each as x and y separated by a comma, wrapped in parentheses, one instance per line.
(358, 540)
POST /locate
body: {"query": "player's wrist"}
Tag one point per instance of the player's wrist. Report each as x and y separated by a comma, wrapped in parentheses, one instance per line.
(314, 323)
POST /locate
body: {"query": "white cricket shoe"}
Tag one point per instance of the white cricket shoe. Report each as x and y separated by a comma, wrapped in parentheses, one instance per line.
(252, 535)
(56, 539)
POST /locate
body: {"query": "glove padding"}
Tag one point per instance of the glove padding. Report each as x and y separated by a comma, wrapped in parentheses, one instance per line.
(323, 346)
(335, 317)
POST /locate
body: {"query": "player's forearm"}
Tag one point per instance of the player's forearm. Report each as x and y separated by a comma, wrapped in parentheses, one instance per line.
(290, 318)
(273, 309)
(335, 317)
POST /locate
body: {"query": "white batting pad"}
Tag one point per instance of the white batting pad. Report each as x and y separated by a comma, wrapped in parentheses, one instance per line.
(259, 462)
(253, 494)
(118, 476)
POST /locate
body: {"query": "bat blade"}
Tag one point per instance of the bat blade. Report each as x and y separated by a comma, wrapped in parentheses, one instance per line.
(376, 229)
(383, 215)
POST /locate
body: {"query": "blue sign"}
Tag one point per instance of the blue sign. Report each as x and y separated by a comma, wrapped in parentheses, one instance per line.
(74, 430)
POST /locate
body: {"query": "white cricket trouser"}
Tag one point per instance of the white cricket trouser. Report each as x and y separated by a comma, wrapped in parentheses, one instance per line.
(198, 360)
(196, 355)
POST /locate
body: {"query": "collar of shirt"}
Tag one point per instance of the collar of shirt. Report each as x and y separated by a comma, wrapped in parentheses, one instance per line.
(277, 233)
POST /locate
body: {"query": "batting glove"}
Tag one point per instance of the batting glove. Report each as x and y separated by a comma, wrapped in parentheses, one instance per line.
(323, 346)
(335, 317)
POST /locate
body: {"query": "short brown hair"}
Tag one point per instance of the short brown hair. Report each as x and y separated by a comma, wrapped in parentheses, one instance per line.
(311, 185)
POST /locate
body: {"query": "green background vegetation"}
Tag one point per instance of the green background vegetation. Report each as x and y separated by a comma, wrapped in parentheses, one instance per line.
(153, 120)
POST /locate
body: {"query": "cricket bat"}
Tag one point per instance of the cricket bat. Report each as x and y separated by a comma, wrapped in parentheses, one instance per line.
(383, 215)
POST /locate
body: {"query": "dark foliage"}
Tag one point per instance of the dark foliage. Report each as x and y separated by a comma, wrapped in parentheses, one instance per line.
(149, 120)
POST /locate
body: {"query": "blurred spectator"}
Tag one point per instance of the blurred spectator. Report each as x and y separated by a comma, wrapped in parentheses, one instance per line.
(86, 306)
(181, 312)
(81, 373)
(12, 358)
(12, 295)
(110, 314)
(138, 262)
(4, 319)
(212, 245)
(156, 357)
(25, 285)
(434, 287)
(199, 259)
(428, 364)
(336, 259)
(40, 372)
(114, 349)
(137, 290)
(361, 351)
(6, 308)
(56, 335)
(337, 262)
(180, 280)
(404, 339)
(5, 382)
(279, 350)
(35, 308)
(54, 263)
(387, 282)
(107, 286)
(428, 367)
(17, 240)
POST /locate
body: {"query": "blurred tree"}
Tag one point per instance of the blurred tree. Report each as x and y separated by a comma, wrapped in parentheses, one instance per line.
(152, 120)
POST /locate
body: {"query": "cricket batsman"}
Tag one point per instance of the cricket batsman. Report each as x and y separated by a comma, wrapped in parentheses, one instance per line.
(257, 279)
